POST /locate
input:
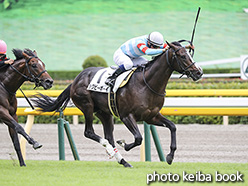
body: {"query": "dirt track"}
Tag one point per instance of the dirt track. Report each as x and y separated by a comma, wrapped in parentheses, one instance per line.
(196, 143)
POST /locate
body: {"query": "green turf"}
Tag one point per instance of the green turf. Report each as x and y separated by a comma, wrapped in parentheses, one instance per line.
(66, 32)
(36, 8)
(108, 173)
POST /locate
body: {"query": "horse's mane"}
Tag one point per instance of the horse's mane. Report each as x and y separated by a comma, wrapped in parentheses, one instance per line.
(176, 43)
(158, 56)
(18, 53)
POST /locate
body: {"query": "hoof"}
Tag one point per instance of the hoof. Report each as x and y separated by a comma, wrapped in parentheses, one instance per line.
(121, 143)
(23, 165)
(128, 165)
(36, 145)
(169, 159)
(125, 164)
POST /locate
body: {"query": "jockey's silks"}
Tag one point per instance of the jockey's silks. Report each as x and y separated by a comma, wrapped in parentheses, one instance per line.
(138, 46)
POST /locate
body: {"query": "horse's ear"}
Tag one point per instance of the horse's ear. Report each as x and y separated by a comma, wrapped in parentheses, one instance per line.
(35, 53)
(168, 44)
(25, 55)
(171, 45)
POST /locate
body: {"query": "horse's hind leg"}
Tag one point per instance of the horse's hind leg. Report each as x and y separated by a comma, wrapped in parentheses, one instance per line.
(89, 131)
(159, 120)
(16, 143)
(84, 102)
(108, 127)
(131, 124)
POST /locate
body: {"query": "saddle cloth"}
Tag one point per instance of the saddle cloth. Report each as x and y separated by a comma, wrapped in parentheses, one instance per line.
(97, 84)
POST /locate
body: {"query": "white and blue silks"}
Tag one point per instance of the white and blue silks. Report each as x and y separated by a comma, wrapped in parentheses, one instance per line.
(130, 53)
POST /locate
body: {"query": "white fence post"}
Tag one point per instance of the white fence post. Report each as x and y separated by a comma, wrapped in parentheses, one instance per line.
(75, 119)
(225, 120)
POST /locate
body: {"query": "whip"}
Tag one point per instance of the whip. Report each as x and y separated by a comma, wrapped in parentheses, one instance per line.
(193, 33)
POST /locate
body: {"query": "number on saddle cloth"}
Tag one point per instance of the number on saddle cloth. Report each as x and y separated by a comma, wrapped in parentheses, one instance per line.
(97, 84)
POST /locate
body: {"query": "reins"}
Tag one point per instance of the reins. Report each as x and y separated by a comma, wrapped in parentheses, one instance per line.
(144, 79)
(30, 104)
(184, 70)
(33, 78)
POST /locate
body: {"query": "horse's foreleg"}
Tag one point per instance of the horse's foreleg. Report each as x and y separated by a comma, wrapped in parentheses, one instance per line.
(159, 120)
(18, 128)
(11, 122)
(108, 127)
(15, 140)
(131, 124)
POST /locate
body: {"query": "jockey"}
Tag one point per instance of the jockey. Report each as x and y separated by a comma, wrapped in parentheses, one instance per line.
(3, 59)
(130, 53)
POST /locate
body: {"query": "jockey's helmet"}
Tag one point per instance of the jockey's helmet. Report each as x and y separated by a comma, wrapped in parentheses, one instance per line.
(3, 47)
(156, 38)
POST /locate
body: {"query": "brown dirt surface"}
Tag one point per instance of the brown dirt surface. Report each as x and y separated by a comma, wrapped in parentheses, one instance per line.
(195, 143)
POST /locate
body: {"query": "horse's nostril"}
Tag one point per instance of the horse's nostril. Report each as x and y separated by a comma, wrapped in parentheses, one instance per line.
(48, 81)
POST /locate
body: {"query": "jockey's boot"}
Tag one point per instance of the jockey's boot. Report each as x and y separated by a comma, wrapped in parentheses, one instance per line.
(111, 79)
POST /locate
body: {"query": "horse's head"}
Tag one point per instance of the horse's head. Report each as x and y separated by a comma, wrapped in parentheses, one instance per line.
(36, 70)
(32, 68)
(182, 62)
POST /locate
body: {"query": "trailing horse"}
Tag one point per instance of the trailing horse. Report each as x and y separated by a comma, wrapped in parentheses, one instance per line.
(26, 67)
(139, 100)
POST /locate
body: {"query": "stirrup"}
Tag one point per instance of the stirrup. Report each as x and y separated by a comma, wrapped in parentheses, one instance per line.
(110, 82)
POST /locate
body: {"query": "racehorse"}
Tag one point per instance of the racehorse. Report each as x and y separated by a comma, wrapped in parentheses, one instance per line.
(26, 67)
(139, 100)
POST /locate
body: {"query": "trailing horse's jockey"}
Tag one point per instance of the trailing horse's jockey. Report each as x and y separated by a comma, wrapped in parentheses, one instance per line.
(130, 53)
(3, 59)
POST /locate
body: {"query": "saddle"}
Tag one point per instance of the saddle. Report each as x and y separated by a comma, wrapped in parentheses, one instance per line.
(97, 84)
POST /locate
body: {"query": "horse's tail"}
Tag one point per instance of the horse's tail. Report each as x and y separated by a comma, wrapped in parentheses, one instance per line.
(46, 104)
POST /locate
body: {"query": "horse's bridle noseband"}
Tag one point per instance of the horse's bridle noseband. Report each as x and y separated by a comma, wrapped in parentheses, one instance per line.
(174, 56)
(33, 78)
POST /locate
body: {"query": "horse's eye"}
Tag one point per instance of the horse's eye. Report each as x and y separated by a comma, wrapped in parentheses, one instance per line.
(183, 57)
(34, 66)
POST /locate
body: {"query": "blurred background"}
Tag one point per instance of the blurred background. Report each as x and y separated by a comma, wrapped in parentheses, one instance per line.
(66, 32)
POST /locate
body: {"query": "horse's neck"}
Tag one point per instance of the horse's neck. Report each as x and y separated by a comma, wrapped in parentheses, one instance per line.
(159, 74)
(11, 79)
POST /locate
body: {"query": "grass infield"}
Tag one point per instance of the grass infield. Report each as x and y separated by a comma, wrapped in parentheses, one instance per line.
(109, 173)
(65, 33)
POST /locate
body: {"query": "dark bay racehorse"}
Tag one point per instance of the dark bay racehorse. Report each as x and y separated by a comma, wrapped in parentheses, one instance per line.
(140, 100)
(27, 66)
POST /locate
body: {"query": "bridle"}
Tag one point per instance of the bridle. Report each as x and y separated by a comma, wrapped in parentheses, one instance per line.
(31, 77)
(174, 57)
(183, 70)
